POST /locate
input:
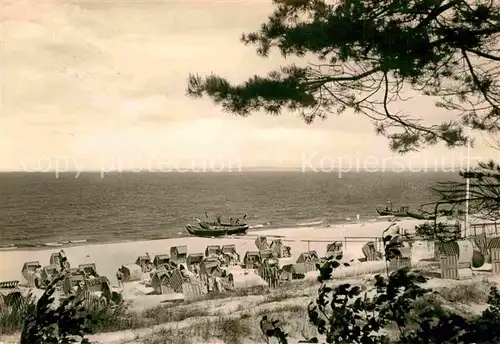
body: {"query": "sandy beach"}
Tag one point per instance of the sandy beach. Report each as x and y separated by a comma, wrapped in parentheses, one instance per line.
(206, 317)
(109, 257)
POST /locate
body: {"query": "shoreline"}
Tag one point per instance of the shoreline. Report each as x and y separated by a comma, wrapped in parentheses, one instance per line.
(108, 257)
(89, 242)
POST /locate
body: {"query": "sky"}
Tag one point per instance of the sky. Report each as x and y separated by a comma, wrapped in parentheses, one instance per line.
(96, 85)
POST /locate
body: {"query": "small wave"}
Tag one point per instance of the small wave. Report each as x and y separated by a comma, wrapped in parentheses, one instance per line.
(78, 241)
(29, 245)
(52, 244)
(8, 247)
(385, 217)
(314, 223)
(256, 226)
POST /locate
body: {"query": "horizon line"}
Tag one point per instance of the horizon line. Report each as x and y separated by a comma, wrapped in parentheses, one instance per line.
(421, 169)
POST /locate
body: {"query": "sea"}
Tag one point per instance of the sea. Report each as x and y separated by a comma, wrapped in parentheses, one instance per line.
(38, 208)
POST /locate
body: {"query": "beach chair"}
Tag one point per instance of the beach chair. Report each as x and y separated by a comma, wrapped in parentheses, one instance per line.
(333, 250)
(194, 259)
(261, 243)
(178, 254)
(370, 252)
(29, 272)
(212, 250)
(131, 272)
(251, 259)
(308, 257)
(89, 269)
(161, 259)
(143, 262)
(48, 272)
(58, 258)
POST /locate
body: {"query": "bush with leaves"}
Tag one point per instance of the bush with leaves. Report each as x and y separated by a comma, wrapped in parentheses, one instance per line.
(343, 315)
(61, 321)
(439, 231)
(115, 317)
(15, 309)
(487, 326)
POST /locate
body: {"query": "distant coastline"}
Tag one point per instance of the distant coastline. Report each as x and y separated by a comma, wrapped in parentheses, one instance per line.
(243, 170)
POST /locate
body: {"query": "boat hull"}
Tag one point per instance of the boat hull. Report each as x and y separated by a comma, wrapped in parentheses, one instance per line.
(392, 213)
(217, 231)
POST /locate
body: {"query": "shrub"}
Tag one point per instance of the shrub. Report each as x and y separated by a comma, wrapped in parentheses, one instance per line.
(344, 315)
(15, 311)
(468, 293)
(114, 318)
(55, 322)
(439, 231)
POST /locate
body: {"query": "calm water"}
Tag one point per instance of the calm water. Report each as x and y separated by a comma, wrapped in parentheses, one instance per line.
(38, 208)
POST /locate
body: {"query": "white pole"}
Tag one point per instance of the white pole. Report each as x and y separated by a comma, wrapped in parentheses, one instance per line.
(467, 185)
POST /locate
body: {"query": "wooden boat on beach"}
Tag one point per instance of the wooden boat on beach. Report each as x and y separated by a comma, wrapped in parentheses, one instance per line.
(388, 211)
(218, 228)
(401, 212)
(212, 229)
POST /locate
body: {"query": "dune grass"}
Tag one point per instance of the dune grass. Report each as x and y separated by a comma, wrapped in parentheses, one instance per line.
(474, 292)
(247, 306)
(12, 317)
(228, 330)
(286, 303)
(236, 329)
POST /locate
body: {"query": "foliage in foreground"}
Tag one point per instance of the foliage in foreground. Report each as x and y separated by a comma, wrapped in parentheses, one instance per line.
(14, 311)
(62, 321)
(341, 314)
(346, 315)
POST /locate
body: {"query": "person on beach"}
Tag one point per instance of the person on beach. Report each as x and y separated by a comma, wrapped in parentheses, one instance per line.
(119, 277)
